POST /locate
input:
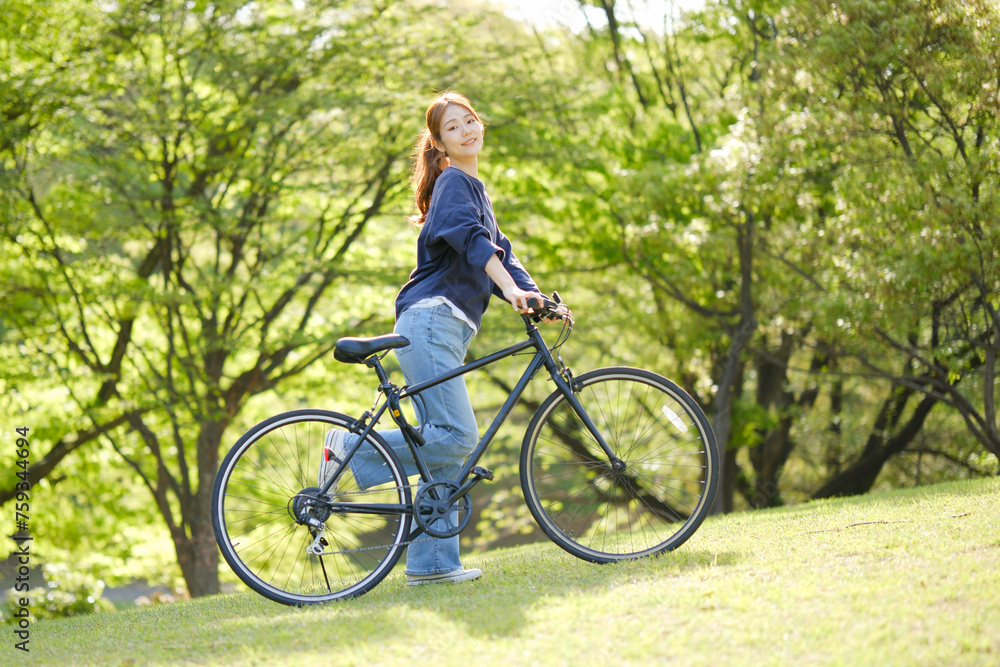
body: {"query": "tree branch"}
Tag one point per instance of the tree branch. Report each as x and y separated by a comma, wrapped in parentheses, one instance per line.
(63, 448)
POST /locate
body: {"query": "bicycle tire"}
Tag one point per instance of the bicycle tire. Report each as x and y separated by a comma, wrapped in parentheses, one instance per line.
(253, 513)
(664, 492)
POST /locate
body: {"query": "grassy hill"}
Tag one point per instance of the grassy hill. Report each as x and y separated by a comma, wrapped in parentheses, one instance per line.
(906, 578)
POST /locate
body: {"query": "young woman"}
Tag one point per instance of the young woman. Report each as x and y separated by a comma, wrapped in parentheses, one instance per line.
(462, 259)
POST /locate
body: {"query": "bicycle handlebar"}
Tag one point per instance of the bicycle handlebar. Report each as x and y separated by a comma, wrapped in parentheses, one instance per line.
(548, 309)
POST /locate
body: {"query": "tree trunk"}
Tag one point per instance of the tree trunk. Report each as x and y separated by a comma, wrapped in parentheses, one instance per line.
(198, 557)
(197, 552)
(773, 395)
(768, 459)
(769, 455)
(730, 384)
(731, 367)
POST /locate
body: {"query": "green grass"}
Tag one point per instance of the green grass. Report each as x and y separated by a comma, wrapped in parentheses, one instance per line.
(905, 578)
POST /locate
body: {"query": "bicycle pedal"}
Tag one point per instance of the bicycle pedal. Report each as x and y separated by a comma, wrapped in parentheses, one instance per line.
(483, 473)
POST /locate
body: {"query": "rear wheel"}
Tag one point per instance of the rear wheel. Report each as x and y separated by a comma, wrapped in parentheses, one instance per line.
(650, 497)
(286, 541)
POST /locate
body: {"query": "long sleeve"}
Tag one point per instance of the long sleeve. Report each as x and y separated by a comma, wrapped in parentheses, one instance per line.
(458, 239)
(514, 267)
(462, 229)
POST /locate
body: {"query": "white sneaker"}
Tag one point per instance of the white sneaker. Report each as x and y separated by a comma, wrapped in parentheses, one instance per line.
(332, 458)
(452, 577)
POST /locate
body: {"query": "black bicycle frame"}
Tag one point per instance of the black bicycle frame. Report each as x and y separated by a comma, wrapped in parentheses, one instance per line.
(542, 357)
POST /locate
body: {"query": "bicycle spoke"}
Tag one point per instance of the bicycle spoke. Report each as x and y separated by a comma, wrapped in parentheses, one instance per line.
(266, 489)
(647, 499)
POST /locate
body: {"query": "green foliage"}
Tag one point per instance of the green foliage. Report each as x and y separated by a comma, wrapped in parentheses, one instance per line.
(791, 209)
(909, 112)
(67, 592)
(805, 193)
(201, 204)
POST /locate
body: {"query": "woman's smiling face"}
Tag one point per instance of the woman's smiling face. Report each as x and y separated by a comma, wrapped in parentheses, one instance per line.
(461, 133)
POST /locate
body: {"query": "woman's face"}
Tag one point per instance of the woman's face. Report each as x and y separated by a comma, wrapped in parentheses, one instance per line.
(461, 133)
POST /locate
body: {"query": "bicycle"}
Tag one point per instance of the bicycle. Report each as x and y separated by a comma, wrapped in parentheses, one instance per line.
(616, 463)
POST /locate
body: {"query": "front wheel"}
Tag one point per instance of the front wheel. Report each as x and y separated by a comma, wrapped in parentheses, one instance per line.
(287, 541)
(654, 492)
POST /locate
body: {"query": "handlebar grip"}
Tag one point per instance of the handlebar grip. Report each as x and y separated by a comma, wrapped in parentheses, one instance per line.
(546, 308)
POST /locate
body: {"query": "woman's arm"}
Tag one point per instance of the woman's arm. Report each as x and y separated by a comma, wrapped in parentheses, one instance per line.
(517, 297)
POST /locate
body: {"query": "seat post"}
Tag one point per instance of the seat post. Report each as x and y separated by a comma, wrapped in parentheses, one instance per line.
(383, 378)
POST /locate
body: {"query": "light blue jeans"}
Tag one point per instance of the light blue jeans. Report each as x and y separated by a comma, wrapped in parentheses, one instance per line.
(438, 343)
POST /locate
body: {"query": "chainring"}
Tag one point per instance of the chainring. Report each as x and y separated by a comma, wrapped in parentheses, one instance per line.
(435, 513)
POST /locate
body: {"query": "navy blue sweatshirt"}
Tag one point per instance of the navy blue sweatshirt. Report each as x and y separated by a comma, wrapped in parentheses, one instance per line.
(459, 236)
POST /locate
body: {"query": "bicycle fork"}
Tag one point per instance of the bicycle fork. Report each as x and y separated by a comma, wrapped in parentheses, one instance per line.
(569, 386)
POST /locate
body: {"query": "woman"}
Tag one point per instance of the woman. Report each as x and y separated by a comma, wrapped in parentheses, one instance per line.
(462, 259)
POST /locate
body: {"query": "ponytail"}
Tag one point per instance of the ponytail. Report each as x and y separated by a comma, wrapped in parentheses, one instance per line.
(428, 161)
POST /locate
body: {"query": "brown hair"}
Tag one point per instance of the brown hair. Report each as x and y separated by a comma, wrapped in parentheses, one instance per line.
(429, 162)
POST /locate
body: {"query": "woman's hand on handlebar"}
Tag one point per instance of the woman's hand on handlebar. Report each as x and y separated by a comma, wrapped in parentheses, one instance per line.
(519, 298)
(547, 310)
(562, 312)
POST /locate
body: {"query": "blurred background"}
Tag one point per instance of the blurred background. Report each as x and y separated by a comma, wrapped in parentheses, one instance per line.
(788, 207)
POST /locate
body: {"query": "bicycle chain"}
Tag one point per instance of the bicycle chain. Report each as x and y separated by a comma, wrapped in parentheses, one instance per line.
(377, 547)
(354, 551)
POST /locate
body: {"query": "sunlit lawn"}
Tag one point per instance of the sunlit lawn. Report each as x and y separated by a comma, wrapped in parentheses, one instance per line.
(908, 578)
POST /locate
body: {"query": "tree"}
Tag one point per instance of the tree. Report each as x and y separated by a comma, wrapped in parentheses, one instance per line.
(739, 149)
(706, 213)
(910, 93)
(191, 201)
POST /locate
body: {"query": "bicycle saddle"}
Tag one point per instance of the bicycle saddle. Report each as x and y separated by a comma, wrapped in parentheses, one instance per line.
(356, 350)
